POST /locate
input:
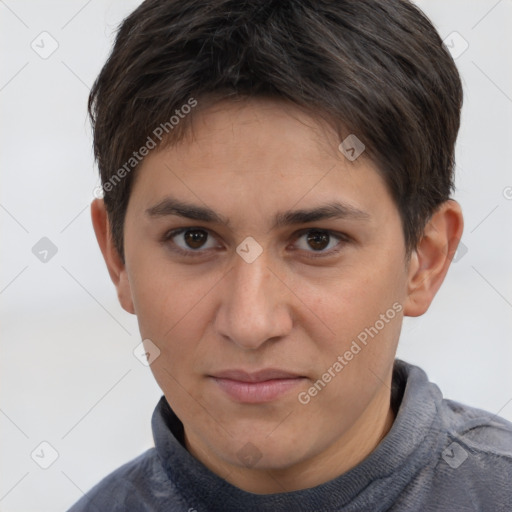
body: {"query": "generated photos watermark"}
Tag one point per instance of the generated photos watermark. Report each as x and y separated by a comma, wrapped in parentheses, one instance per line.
(304, 397)
(152, 142)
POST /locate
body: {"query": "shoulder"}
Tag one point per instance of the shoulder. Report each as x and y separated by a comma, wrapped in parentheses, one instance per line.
(475, 467)
(133, 486)
(480, 431)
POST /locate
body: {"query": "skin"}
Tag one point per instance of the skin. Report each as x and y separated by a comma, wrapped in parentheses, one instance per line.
(212, 310)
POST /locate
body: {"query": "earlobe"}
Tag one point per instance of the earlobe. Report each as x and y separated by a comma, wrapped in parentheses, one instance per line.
(431, 259)
(116, 267)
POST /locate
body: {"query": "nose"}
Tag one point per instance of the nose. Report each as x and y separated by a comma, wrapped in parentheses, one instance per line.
(254, 306)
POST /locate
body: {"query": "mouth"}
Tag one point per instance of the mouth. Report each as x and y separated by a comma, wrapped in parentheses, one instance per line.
(257, 387)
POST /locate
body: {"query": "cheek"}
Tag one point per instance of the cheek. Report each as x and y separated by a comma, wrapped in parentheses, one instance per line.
(356, 361)
(362, 310)
(164, 296)
(348, 302)
(172, 315)
(174, 309)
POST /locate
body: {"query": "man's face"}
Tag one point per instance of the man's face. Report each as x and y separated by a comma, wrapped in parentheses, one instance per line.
(255, 294)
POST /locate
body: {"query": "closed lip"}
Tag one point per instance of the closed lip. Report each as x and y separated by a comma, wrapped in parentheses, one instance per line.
(256, 387)
(256, 376)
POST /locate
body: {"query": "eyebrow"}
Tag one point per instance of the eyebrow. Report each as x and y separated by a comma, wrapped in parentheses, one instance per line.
(334, 210)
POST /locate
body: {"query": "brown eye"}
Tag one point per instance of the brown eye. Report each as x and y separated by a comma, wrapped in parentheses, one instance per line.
(191, 241)
(321, 242)
(195, 238)
(318, 240)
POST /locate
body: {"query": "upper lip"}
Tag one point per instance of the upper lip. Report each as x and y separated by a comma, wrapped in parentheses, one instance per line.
(258, 376)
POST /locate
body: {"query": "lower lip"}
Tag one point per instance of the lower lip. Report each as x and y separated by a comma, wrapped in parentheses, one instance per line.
(257, 392)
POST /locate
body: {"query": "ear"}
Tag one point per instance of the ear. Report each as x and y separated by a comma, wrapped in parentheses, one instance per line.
(431, 259)
(116, 267)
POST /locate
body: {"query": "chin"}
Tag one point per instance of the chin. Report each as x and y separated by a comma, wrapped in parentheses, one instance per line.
(263, 452)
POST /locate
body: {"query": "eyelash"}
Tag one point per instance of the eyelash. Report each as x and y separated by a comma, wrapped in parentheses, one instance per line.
(342, 239)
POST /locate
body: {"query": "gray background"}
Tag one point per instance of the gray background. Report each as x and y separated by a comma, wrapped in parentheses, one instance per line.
(68, 373)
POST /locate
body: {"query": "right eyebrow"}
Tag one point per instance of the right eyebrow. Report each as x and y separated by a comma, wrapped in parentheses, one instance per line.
(171, 206)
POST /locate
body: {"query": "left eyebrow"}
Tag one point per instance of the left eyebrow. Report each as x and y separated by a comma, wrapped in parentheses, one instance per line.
(335, 210)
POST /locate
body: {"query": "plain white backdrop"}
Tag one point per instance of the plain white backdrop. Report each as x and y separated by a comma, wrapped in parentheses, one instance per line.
(68, 374)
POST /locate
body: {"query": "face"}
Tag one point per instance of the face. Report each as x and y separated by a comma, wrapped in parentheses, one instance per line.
(269, 271)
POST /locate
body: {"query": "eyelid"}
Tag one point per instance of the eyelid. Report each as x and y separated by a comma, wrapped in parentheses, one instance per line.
(336, 234)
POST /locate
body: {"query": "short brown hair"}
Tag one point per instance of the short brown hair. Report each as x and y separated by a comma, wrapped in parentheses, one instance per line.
(376, 68)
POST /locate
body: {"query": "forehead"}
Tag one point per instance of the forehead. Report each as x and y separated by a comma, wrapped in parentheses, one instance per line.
(259, 155)
(276, 126)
